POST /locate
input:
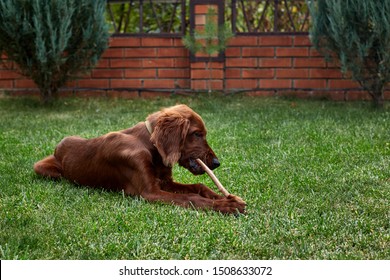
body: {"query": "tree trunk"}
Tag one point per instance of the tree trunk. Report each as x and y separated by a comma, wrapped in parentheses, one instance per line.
(378, 95)
(376, 89)
(48, 95)
(378, 100)
(210, 68)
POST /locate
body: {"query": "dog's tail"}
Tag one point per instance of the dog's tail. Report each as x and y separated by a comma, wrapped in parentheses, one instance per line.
(48, 167)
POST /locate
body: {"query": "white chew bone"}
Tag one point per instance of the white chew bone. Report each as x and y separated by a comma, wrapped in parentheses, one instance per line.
(213, 177)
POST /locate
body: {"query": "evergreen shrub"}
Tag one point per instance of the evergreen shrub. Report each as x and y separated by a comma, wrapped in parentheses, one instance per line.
(53, 41)
(357, 33)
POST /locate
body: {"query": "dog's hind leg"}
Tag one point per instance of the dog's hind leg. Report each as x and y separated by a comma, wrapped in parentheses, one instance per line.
(48, 167)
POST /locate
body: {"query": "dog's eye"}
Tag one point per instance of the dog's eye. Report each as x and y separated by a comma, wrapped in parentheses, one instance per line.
(198, 134)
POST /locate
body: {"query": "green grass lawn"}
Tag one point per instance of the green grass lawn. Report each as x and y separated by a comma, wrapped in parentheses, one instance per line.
(315, 175)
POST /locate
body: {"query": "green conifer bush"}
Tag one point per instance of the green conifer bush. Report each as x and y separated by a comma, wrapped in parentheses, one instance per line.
(52, 41)
(357, 33)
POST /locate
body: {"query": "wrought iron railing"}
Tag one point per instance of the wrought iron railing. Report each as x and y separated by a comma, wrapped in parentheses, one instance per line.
(162, 17)
(171, 17)
(269, 16)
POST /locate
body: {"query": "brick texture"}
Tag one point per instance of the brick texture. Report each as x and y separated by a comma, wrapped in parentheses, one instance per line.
(261, 65)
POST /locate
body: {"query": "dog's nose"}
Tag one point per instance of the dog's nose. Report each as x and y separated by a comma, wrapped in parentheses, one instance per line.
(215, 163)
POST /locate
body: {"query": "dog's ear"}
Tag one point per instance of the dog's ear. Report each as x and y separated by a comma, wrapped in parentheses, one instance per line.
(169, 135)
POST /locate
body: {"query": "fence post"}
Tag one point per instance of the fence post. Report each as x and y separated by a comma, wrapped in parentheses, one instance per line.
(200, 75)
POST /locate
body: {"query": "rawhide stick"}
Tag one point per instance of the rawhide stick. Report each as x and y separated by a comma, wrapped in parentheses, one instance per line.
(213, 177)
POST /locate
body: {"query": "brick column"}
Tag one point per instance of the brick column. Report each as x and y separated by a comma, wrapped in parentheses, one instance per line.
(200, 63)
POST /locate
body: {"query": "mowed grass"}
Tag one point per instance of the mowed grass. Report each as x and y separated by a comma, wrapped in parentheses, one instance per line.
(315, 176)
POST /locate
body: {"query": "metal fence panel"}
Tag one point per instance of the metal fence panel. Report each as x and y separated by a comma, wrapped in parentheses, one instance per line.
(171, 17)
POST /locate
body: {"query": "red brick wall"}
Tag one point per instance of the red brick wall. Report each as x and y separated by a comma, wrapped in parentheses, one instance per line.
(284, 63)
(129, 64)
(147, 63)
(262, 65)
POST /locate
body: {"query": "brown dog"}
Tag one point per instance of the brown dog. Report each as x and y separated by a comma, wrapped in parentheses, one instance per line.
(139, 161)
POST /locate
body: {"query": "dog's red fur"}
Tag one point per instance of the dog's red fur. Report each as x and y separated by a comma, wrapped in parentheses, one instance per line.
(140, 163)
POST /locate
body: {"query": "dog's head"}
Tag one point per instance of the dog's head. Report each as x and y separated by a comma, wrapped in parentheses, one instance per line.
(179, 134)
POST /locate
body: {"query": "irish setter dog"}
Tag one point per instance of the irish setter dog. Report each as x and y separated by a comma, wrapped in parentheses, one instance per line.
(139, 161)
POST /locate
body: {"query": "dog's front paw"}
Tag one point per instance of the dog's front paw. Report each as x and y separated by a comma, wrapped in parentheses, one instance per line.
(236, 198)
(230, 205)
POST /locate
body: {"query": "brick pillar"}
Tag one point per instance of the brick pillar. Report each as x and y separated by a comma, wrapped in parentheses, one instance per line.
(202, 66)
